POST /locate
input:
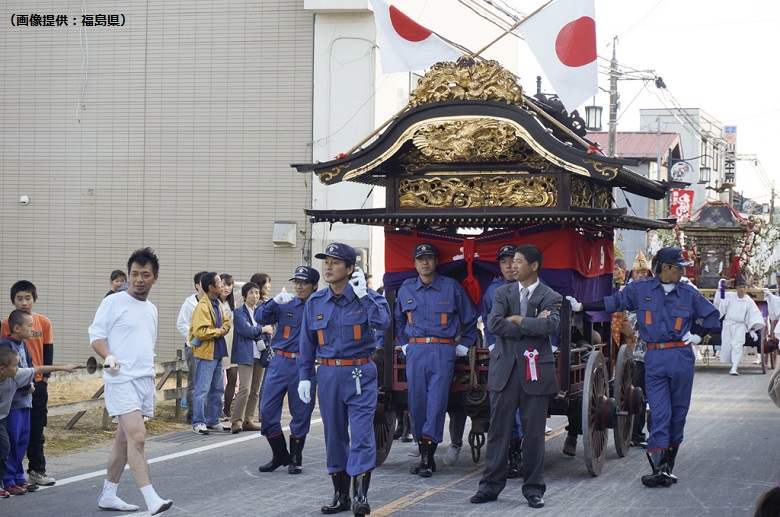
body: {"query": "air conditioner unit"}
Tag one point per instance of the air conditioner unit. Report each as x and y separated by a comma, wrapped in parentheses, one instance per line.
(285, 234)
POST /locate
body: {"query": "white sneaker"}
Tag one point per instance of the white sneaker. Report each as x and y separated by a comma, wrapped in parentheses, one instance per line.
(40, 478)
(414, 452)
(114, 503)
(452, 454)
(200, 429)
(548, 430)
(219, 428)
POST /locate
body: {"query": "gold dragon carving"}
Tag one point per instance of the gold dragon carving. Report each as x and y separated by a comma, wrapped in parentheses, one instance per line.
(585, 195)
(477, 192)
(467, 80)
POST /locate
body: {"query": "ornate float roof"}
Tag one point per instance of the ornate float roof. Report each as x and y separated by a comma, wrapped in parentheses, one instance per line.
(470, 120)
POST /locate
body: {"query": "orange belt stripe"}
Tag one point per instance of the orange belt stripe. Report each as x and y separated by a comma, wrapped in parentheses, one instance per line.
(345, 362)
(291, 355)
(442, 340)
(663, 346)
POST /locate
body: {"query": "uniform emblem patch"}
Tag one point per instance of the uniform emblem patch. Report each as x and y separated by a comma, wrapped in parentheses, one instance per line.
(289, 314)
(320, 317)
(648, 299)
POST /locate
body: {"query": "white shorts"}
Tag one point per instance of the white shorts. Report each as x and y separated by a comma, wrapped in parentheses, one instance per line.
(134, 395)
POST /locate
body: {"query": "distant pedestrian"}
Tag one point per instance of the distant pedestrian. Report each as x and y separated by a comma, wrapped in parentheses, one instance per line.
(118, 278)
(123, 333)
(230, 368)
(740, 316)
(183, 326)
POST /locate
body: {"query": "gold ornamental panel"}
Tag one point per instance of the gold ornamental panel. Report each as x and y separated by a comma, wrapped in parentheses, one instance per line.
(479, 192)
(586, 195)
(467, 80)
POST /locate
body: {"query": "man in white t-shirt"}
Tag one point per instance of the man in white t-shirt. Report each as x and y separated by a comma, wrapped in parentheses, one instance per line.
(123, 333)
(183, 326)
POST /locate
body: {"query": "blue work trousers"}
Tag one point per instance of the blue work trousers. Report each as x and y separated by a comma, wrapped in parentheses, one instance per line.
(348, 418)
(209, 389)
(669, 381)
(281, 378)
(18, 428)
(429, 369)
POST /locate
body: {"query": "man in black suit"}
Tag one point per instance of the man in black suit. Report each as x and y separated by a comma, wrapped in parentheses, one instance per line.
(525, 315)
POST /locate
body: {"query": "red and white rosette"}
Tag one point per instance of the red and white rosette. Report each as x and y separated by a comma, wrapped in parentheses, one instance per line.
(531, 368)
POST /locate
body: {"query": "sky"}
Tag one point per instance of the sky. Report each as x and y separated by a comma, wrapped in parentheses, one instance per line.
(721, 57)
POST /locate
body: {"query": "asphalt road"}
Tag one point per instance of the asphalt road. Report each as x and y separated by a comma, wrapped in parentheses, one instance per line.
(729, 458)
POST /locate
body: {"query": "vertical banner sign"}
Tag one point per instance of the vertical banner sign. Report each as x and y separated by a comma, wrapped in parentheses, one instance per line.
(680, 206)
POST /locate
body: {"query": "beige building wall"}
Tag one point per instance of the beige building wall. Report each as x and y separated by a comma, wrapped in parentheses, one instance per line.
(174, 131)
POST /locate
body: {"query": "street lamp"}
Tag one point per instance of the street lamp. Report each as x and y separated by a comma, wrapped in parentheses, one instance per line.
(593, 118)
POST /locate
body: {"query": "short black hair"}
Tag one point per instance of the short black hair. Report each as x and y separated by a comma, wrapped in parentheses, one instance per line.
(24, 285)
(17, 318)
(197, 277)
(248, 287)
(208, 279)
(531, 254)
(8, 357)
(143, 257)
(260, 279)
(118, 273)
(621, 263)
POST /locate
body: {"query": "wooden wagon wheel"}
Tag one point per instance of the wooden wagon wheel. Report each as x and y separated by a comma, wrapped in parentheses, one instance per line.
(626, 400)
(384, 429)
(762, 344)
(595, 408)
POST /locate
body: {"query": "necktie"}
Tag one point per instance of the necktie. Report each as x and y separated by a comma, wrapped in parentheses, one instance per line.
(523, 300)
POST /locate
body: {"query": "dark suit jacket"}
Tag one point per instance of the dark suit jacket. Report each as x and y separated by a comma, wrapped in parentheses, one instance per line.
(513, 340)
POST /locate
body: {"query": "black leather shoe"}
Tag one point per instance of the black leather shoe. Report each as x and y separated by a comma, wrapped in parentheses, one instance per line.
(535, 501)
(482, 497)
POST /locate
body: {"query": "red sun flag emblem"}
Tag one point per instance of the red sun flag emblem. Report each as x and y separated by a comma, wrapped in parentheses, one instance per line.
(576, 42)
(410, 30)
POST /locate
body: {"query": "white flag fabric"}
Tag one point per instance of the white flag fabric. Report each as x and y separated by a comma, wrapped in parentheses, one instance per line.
(404, 44)
(562, 37)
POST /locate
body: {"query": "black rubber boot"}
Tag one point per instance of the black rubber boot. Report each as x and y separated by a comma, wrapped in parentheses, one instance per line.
(660, 475)
(671, 455)
(431, 450)
(341, 501)
(422, 445)
(281, 456)
(360, 486)
(513, 460)
(406, 432)
(296, 454)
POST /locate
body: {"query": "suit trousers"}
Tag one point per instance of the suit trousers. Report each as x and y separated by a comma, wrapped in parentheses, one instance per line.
(533, 415)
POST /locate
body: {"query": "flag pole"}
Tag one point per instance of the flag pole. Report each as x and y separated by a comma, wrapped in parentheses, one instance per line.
(510, 29)
(377, 130)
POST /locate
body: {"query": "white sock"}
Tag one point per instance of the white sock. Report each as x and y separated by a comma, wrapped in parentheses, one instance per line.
(110, 501)
(153, 501)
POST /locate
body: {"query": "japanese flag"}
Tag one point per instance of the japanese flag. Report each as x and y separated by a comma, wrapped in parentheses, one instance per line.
(562, 37)
(406, 45)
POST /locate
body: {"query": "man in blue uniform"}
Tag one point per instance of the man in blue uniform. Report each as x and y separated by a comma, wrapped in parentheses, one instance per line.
(666, 309)
(338, 327)
(285, 311)
(430, 311)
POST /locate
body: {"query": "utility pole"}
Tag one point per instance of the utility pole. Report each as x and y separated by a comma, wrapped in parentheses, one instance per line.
(613, 100)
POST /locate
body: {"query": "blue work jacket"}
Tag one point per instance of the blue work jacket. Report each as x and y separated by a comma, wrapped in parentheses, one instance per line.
(487, 305)
(287, 319)
(662, 317)
(440, 309)
(339, 327)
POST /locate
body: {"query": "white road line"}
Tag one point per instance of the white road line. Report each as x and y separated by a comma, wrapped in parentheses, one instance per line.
(181, 454)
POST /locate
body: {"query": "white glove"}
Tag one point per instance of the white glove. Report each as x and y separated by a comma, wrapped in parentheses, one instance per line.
(304, 391)
(575, 305)
(110, 365)
(753, 335)
(490, 348)
(403, 348)
(722, 282)
(358, 282)
(767, 292)
(461, 351)
(284, 297)
(691, 339)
